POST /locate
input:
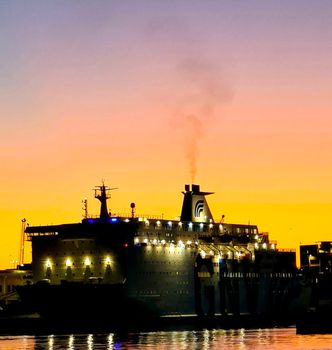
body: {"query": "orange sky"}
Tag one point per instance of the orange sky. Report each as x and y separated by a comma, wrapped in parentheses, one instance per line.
(149, 95)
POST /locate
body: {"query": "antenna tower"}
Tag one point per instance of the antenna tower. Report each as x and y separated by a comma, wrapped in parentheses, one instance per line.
(103, 193)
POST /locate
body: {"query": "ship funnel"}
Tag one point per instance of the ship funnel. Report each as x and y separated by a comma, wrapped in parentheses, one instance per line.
(195, 207)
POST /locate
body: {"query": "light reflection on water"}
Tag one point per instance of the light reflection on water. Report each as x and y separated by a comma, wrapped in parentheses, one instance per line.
(240, 339)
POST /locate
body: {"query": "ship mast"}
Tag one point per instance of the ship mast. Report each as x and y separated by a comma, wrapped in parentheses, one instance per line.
(21, 257)
(103, 193)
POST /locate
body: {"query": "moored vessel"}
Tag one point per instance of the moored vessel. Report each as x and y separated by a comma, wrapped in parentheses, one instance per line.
(138, 268)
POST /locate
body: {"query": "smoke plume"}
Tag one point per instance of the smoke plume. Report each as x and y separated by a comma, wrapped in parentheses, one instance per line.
(198, 105)
(198, 85)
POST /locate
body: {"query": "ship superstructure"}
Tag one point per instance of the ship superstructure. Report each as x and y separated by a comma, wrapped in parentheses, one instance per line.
(139, 266)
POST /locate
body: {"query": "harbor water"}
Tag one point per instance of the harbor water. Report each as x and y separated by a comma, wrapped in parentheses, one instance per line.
(239, 339)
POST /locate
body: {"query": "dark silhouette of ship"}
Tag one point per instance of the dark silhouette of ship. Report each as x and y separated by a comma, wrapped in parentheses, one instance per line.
(129, 267)
(316, 288)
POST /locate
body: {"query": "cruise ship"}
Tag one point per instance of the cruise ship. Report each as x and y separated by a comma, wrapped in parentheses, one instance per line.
(139, 267)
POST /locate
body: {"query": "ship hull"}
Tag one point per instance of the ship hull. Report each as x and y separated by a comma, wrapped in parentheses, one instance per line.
(84, 301)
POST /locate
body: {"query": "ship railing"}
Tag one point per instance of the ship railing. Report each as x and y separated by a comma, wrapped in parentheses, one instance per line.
(29, 235)
(208, 248)
(9, 296)
(128, 215)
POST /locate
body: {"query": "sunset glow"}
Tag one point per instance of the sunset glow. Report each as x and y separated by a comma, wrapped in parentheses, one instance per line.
(150, 95)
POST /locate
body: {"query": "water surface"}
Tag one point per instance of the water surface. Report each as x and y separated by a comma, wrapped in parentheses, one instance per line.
(240, 339)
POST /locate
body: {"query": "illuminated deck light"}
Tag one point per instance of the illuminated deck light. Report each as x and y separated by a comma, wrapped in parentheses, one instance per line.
(189, 242)
(203, 254)
(170, 223)
(221, 228)
(108, 260)
(264, 246)
(256, 246)
(68, 263)
(163, 241)
(48, 263)
(136, 240)
(87, 262)
(211, 225)
(158, 223)
(145, 241)
(127, 220)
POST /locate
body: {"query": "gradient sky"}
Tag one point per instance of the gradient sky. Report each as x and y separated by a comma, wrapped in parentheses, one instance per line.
(150, 95)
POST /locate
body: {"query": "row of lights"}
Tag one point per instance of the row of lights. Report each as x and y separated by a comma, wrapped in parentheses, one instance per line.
(264, 246)
(170, 224)
(87, 262)
(237, 254)
(211, 253)
(190, 224)
(180, 243)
